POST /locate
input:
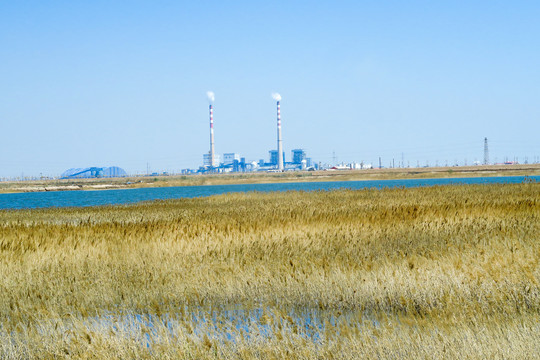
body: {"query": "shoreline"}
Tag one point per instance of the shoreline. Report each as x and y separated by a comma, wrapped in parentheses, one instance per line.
(261, 178)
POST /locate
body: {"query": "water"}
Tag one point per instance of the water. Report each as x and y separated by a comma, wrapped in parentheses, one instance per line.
(226, 324)
(126, 196)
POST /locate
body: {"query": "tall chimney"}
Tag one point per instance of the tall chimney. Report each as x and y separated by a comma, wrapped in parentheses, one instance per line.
(279, 140)
(211, 136)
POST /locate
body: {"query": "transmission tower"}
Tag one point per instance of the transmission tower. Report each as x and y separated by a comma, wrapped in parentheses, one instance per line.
(486, 152)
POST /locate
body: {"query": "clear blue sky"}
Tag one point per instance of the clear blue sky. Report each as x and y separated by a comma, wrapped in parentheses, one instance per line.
(124, 83)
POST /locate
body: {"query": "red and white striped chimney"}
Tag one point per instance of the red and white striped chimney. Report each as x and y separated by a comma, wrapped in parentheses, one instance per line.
(279, 139)
(211, 136)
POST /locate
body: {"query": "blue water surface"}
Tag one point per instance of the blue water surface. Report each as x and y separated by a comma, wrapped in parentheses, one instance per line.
(126, 196)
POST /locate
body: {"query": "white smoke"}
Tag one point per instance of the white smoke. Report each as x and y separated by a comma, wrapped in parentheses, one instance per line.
(211, 96)
(276, 96)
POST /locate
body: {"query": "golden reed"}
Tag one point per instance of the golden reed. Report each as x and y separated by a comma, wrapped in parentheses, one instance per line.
(435, 272)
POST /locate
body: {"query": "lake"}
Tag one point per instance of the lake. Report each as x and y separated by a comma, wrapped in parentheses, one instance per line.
(126, 196)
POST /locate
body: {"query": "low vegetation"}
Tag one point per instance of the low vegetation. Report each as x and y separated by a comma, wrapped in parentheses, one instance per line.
(434, 272)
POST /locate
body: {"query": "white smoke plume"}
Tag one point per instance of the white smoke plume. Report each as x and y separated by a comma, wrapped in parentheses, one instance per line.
(211, 96)
(276, 96)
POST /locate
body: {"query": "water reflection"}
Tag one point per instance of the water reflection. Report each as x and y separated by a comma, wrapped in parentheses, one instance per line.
(233, 324)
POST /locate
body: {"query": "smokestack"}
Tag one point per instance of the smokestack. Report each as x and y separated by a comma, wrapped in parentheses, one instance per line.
(279, 139)
(211, 98)
(211, 136)
(277, 97)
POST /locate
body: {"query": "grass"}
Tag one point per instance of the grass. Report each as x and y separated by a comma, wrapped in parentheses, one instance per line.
(445, 272)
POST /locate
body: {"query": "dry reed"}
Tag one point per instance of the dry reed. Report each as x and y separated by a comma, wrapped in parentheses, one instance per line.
(447, 271)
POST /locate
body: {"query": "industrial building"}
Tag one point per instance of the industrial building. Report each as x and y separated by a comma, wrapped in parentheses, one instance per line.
(298, 155)
(273, 155)
(207, 160)
(229, 158)
(93, 172)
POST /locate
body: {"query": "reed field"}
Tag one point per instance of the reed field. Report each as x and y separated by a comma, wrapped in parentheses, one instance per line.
(431, 272)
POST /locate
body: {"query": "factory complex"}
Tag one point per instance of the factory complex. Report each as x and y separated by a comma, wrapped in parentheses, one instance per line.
(227, 163)
(233, 162)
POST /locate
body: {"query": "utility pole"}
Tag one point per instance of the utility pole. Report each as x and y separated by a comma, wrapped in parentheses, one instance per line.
(486, 152)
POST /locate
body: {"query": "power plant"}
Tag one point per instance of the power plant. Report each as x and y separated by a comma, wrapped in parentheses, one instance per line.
(232, 162)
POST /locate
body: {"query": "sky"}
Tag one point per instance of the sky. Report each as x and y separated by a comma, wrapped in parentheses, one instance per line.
(123, 83)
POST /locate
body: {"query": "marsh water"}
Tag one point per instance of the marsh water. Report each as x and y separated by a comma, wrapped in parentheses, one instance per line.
(229, 324)
(126, 196)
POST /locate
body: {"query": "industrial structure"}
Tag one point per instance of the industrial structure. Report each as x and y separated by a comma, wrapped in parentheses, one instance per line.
(209, 159)
(486, 152)
(273, 158)
(93, 172)
(298, 155)
(208, 162)
(212, 152)
(234, 162)
(279, 139)
(230, 158)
